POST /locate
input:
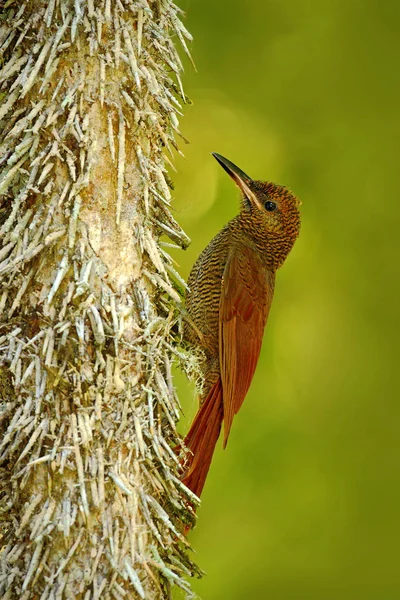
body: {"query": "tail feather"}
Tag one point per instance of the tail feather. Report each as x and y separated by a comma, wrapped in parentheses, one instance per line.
(201, 439)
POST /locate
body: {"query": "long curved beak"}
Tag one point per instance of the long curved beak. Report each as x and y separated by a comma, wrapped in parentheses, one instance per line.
(242, 180)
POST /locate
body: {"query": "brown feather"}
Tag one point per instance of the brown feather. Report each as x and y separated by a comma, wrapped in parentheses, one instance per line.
(246, 296)
(201, 440)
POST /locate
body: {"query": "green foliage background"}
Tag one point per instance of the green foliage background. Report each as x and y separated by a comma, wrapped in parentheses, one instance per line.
(305, 501)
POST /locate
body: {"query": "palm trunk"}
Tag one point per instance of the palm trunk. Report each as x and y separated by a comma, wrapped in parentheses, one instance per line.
(91, 506)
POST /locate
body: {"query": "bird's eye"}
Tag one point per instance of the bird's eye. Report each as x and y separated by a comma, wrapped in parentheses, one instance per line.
(270, 206)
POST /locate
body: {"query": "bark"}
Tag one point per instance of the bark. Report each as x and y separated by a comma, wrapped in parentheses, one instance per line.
(91, 505)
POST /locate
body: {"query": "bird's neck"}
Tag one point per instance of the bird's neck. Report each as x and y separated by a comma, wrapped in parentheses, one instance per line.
(272, 246)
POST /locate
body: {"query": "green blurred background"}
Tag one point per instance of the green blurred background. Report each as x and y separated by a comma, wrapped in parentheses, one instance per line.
(305, 501)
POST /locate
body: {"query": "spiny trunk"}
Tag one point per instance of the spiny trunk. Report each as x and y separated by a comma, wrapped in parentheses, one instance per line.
(91, 506)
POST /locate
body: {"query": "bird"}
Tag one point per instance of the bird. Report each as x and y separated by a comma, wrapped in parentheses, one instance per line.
(229, 296)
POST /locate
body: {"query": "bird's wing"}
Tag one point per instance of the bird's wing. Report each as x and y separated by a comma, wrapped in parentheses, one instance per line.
(246, 296)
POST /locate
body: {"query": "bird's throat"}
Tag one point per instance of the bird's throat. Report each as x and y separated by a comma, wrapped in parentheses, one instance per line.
(272, 245)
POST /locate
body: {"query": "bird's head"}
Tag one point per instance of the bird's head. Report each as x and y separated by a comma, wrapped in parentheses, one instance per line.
(270, 211)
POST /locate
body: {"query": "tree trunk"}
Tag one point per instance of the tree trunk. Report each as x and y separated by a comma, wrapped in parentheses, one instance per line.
(91, 506)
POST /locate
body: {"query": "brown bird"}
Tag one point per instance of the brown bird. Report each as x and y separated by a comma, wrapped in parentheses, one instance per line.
(231, 286)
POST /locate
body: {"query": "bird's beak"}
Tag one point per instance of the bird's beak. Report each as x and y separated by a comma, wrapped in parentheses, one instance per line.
(242, 180)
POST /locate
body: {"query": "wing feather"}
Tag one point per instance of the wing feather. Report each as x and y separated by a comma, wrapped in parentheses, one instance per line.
(246, 296)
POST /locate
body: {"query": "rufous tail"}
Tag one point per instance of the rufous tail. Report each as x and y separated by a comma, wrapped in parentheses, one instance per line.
(201, 439)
